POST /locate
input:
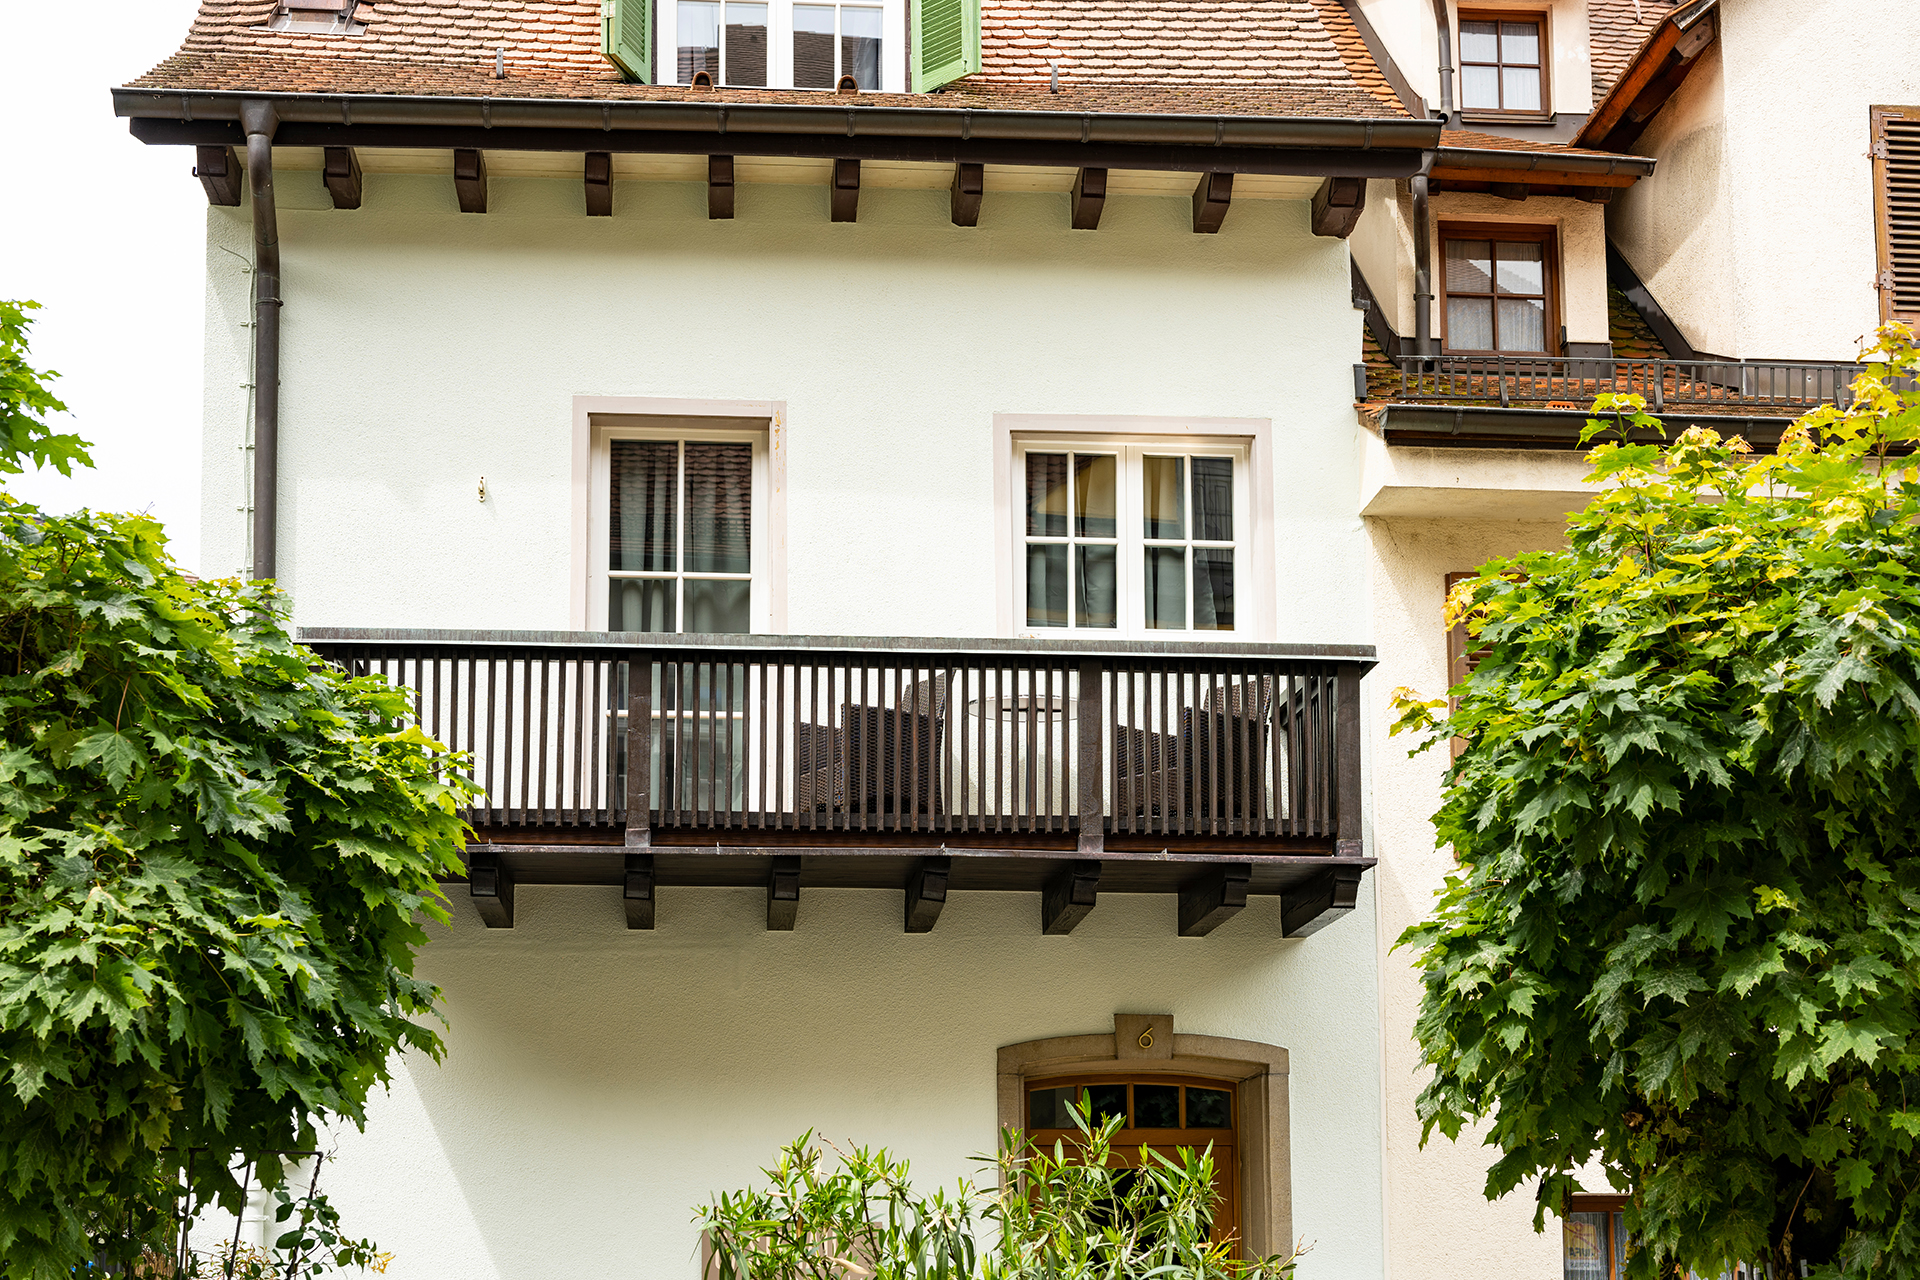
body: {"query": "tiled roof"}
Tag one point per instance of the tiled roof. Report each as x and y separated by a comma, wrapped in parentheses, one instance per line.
(1252, 57)
(1615, 31)
(1467, 139)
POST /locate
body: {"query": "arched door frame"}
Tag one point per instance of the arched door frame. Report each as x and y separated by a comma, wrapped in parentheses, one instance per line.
(1147, 1042)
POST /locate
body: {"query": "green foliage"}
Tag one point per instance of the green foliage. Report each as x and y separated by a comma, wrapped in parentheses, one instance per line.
(1684, 938)
(25, 403)
(214, 850)
(1074, 1213)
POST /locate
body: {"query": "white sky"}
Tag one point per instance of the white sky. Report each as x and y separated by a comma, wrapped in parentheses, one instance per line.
(109, 234)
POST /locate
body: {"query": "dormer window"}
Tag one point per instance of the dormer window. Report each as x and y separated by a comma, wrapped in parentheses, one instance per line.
(334, 17)
(781, 44)
(1503, 64)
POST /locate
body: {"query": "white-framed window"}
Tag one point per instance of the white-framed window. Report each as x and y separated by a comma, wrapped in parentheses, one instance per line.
(677, 530)
(1132, 537)
(784, 44)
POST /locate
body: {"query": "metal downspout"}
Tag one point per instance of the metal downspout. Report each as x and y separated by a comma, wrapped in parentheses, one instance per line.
(1445, 25)
(1422, 261)
(260, 121)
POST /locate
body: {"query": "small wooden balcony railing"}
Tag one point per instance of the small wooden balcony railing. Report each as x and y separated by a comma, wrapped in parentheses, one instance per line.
(1014, 763)
(1726, 386)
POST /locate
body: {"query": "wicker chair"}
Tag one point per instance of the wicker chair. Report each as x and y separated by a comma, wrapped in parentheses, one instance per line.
(868, 761)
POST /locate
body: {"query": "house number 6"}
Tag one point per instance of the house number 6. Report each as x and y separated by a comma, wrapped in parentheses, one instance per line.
(1146, 1038)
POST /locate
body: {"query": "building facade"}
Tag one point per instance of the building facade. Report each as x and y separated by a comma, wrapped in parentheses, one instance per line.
(916, 508)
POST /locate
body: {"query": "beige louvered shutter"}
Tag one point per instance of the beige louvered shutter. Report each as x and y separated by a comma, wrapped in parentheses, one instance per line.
(1896, 210)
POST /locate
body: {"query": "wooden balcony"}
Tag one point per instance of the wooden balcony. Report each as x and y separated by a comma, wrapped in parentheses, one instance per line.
(1065, 768)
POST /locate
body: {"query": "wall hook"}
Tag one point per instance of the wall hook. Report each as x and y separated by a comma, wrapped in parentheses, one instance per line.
(483, 488)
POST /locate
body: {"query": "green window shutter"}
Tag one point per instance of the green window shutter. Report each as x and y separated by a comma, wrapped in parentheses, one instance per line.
(626, 37)
(946, 42)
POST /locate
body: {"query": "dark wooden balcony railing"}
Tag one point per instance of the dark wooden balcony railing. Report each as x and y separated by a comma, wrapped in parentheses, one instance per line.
(588, 748)
(1724, 385)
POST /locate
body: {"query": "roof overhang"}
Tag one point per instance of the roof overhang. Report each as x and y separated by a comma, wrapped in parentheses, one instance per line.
(1518, 174)
(1669, 54)
(1489, 427)
(1191, 143)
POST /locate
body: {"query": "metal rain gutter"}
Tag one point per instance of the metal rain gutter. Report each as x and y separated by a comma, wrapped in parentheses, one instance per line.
(1542, 161)
(614, 116)
(260, 123)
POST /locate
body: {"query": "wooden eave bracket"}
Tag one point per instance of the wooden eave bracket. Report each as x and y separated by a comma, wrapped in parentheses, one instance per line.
(1337, 206)
(341, 166)
(844, 198)
(1318, 903)
(1069, 896)
(1211, 196)
(969, 182)
(470, 180)
(783, 894)
(599, 183)
(636, 890)
(1214, 898)
(490, 884)
(218, 169)
(927, 893)
(719, 187)
(1089, 198)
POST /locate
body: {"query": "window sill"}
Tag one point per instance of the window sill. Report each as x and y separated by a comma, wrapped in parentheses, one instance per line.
(1508, 117)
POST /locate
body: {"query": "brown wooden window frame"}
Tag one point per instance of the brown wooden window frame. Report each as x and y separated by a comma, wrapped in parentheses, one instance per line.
(1891, 278)
(1611, 1206)
(1541, 19)
(1547, 236)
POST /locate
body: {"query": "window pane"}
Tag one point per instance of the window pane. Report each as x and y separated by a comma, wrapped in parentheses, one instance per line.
(1470, 324)
(719, 606)
(1167, 588)
(1156, 1106)
(860, 46)
(1212, 590)
(746, 43)
(1094, 496)
(1469, 266)
(1619, 1244)
(643, 518)
(719, 508)
(1520, 88)
(1479, 42)
(813, 46)
(1583, 1237)
(1047, 585)
(699, 36)
(1523, 324)
(1213, 499)
(1048, 1108)
(1165, 493)
(1480, 88)
(1096, 587)
(640, 604)
(1522, 268)
(1047, 495)
(1520, 43)
(1209, 1109)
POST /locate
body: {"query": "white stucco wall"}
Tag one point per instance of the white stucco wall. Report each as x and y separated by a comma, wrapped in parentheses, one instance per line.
(1756, 232)
(599, 1083)
(1439, 1222)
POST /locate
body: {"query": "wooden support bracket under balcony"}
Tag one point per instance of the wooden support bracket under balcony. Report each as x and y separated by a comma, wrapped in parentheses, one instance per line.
(783, 894)
(218, 169)
(1317, 904)
(969, 181)
(1089, 198)
(637, 890)
(844, 198)
(599, 182)
(344, 179)
(927, 893)
(1337, 206)
(1069, 896)
(719, 187)
(1211, 196)
(470, 180)
(1213, 899)
(490, 885)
